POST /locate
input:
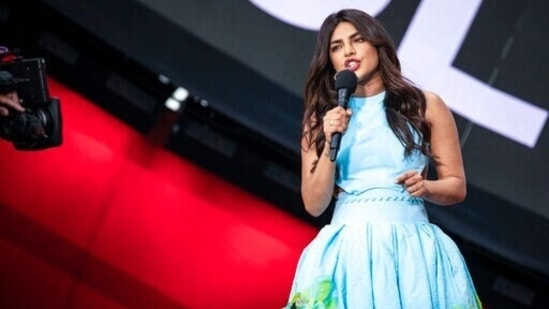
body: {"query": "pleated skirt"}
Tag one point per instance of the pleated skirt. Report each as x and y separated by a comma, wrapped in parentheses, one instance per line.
(381, 251)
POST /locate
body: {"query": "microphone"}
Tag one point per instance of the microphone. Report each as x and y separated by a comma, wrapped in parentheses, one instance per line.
(345, 85)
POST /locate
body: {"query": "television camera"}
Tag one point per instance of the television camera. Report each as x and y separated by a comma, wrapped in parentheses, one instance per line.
(39, 126)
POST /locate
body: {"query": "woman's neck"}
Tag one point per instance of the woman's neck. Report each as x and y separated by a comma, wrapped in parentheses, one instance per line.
(370, 87)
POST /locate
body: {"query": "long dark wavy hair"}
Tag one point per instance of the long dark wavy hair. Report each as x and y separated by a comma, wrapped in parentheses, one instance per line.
(404, 103)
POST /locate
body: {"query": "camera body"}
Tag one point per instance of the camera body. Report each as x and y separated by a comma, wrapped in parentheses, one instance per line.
(39, 126)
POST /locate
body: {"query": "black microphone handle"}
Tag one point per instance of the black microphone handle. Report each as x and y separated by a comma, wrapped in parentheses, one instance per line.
(343, 95)
(334, 145)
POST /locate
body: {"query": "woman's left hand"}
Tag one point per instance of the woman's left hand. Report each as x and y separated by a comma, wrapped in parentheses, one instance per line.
(413, 182)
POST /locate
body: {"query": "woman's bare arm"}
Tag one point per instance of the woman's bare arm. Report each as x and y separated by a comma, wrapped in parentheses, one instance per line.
(450, 186)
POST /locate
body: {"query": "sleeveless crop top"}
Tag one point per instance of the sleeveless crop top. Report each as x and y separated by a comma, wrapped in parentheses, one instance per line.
(370, 154)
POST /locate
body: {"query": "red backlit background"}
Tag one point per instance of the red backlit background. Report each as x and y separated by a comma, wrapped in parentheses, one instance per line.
(111, 220)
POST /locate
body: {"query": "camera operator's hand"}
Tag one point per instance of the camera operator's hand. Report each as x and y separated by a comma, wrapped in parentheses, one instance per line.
(9, 101)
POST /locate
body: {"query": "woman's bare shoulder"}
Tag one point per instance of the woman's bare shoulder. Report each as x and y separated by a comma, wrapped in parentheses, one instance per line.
(435, 105)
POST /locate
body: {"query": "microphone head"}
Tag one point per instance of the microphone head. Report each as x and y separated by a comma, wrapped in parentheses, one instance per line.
(346, 79)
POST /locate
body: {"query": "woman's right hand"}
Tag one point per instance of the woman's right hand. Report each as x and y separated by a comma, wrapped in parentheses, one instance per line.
(336, 120)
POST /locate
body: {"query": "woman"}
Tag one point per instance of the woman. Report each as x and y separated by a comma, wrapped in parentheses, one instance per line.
(379, 251)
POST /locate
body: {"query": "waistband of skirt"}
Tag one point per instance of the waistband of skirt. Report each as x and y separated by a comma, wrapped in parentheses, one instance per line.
(375, 207)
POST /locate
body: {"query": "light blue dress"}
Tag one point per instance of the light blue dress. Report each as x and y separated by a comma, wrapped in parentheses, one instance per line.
(380, 250)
